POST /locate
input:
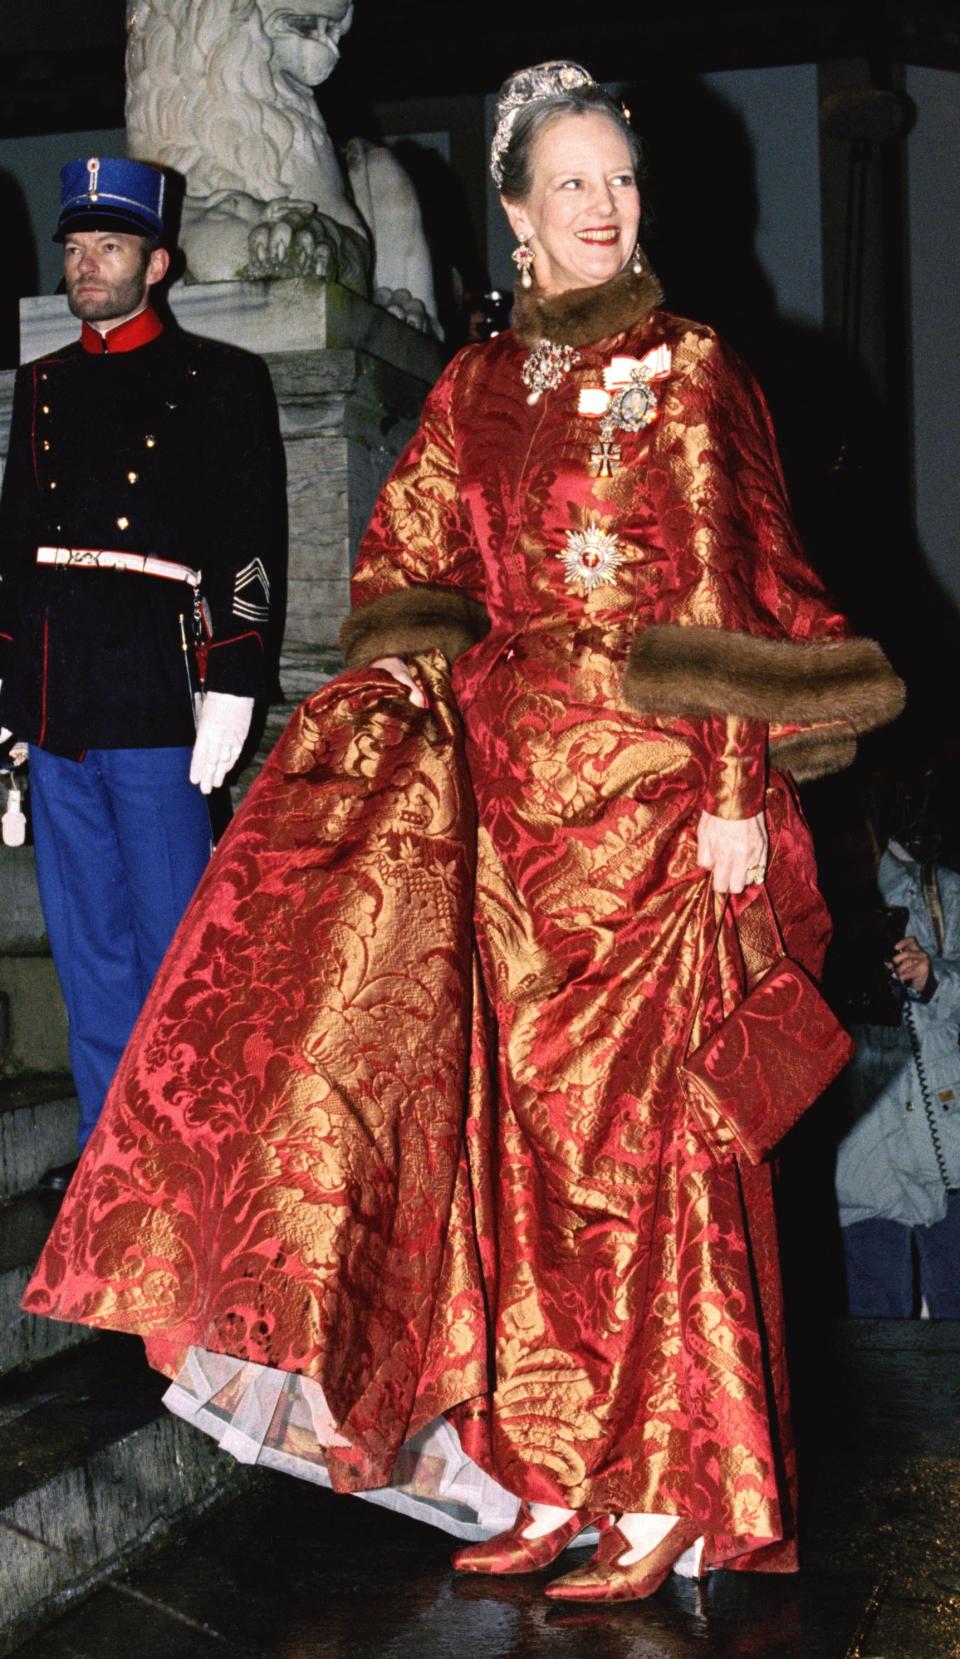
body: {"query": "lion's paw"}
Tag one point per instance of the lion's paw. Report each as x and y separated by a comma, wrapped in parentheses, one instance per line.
(292, 240)
(402, 304)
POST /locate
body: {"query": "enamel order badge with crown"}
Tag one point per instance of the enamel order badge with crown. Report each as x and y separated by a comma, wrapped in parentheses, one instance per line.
(627, 402)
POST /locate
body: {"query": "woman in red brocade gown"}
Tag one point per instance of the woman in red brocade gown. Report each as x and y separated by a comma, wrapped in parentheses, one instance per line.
(590, 525)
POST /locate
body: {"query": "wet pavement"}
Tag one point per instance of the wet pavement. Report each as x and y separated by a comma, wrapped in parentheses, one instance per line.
(288, 1571)
(297, 1575)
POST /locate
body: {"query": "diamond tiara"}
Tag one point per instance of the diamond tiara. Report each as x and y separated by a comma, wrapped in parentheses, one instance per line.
(530, 86)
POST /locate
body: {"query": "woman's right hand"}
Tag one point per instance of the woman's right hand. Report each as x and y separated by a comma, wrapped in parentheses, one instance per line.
(397, 668)
(735, 849)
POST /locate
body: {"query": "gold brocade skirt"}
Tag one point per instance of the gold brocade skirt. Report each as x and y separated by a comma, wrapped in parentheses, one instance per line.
(634, 1283)
(565, 1296)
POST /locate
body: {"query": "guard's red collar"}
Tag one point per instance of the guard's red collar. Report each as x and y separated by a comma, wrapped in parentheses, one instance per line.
(137, 331)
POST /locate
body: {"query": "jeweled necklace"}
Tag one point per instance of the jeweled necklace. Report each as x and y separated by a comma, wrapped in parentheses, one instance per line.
(546, 366)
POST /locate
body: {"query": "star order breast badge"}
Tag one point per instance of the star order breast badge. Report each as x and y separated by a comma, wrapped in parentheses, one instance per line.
(591, 559)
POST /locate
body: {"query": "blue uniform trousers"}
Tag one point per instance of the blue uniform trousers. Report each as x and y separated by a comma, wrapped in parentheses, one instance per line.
(122, 837)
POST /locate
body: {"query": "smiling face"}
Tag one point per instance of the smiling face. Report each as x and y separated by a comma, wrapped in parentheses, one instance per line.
(107, 273)
(581, 214)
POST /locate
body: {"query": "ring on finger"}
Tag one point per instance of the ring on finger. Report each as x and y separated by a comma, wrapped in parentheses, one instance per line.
(755, 874)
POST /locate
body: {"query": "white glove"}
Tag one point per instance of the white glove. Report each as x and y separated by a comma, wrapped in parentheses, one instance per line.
(221, 733)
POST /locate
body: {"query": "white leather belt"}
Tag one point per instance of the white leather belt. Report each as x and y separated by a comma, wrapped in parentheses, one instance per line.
(101, 558)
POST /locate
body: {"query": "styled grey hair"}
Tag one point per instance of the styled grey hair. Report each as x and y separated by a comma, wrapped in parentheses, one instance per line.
(528, 101)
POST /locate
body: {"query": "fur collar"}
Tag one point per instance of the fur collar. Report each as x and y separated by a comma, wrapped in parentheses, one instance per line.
(583, 315)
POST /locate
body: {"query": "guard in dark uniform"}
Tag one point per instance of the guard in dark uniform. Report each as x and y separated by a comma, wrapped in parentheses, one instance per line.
(141, 545)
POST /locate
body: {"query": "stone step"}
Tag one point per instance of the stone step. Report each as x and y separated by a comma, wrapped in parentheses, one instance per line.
(22, 928)
(92, 1467)
(26, 1340)
(38, 1129)
(36, 1018)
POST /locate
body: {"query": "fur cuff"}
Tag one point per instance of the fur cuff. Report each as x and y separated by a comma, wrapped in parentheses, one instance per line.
(813, 753)
(410, 620)
(830, 684)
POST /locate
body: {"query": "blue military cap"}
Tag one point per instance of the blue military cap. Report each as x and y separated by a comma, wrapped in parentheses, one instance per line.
(111, 193)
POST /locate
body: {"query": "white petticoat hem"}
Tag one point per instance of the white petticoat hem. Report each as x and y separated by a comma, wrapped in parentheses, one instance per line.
(279, 1420)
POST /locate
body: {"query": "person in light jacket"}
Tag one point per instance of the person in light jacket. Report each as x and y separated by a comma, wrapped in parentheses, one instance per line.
(898, 1166)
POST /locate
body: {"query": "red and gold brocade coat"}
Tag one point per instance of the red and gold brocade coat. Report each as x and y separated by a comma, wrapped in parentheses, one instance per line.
(281, 1172)
(629, 1342)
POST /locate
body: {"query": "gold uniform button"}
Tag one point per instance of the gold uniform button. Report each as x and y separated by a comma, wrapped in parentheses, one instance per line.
(150, 441)
(133, 478)
(53, 484)
(44, 408)
(123, 524)
(46, 443)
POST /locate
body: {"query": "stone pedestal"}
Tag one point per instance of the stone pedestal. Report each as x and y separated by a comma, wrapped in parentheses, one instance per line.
(345, 415)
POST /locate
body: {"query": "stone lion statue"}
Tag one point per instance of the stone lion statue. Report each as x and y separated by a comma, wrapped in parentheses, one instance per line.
(221, 91)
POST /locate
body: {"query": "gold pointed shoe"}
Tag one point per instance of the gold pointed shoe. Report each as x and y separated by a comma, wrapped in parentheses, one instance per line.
(510, 1552)
(603, 1579)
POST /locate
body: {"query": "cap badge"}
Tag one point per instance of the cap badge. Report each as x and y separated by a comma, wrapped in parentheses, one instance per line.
(93, 174)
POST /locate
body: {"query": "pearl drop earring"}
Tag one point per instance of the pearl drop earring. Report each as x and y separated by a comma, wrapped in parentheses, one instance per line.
(522, 257)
